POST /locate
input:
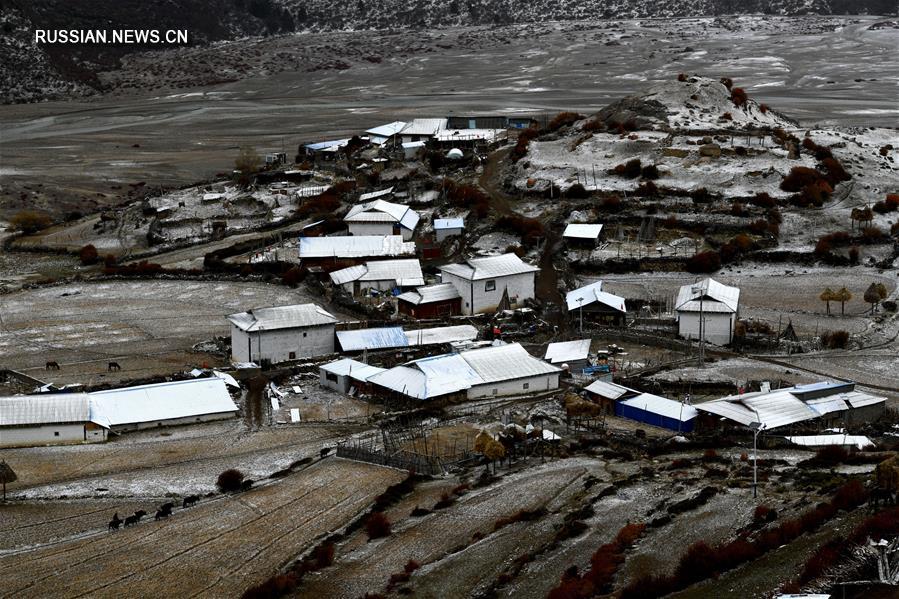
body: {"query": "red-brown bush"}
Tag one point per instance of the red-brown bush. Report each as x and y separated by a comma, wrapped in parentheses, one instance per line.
(738, 96)
(704, 262)
(763, 514)
(728, 82)
(524, 139)
(593, 126)
(630, 169)
(650, 171)
(835, 171)
(563, 119)
(611, 204)
(647, 189)
(799, 177)
(377, 525)
(835, 339)
(88, 254)
(763, 108)
(530, 229)
(682, 77)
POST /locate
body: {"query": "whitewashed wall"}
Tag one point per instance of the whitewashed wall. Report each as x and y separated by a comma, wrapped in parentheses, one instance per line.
(718, 326)
(476, 299)
(542, 382)
(42, 435)
(276, 345)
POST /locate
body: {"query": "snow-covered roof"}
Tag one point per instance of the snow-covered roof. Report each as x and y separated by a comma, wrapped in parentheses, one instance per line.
(449, 223)
(581, 231)
(449, 373)
(408, 145)
(429, 294)
(608, 390)
(859, 441)
(505, 362)
(380, 211)
(567, 351)
(470, 134)
(282, 317)
(424, 126)
(826, 405)
(57, 408)
(359, 371)
(858, 399)
(328, 145)
(355, 246)
(162, 401)
(490, 267)
(373, 195)
(388, 129)
(593, 293)
(437, 335)
(372, 339)
(404, 273)
(662, 406)
(723, 298)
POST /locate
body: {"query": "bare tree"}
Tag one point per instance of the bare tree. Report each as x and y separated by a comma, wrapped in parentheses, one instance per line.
(247, 163)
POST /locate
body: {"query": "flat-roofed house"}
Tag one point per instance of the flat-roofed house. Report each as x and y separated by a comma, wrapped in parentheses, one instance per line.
(718, 305)
(382, 218)
(483, 283)
(281, 333)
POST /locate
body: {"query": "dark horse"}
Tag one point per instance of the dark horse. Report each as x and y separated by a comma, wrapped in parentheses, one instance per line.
(51, 366)
(132, 520)
(113, 366)
(190, 500)
(115, 522)
(160, 514)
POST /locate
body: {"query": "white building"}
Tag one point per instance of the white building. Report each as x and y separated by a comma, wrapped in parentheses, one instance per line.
(381, 275)
(354, 246)
(343, 375)
(448, 227)
(492, 371)
(47, 419)
(162, 404)
(583, 234)
(412, 149)
(281, 333)
(422, 130)
(483, 282)
(719, 305)
(594, 304)
(381, 135)
(382, 218)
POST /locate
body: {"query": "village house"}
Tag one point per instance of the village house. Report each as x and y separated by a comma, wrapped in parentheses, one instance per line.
(718, 306)
(645, 408)
(494, 371)
(581, 236)
(382, 218)
(595, 305)
(47, 419)
(490, 283)
(281, 333)
(817, 405)
(431, 301)
(448, 227)
(163, 404)
(382, 338)
(379, 275)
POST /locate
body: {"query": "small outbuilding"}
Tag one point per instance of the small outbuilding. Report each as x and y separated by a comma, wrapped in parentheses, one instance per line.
(583, 236)
(431, 301)
(448, 227)
(709, 307)
(608, 394)
(658, 411)
(382, 218)
(595, 305)
(380, 275)
(346, 375)
(282, 333)
(573, 354)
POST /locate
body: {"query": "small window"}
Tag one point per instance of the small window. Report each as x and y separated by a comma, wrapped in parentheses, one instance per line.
(494, 391)
(55, 433)
(331, 377)
(526, 386)
(292, 355)
(304, 334)
(490, 286)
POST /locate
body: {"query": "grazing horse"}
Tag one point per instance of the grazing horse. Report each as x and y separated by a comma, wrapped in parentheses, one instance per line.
(113, 366)
(132, 520)
(167, 507)
(115, 522)
(190, 500)
(162, 514)
(51, 365)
